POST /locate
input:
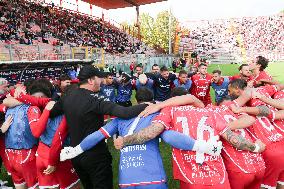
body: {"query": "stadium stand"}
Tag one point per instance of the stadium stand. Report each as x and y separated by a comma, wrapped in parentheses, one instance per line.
(230, 39)
(25, 23)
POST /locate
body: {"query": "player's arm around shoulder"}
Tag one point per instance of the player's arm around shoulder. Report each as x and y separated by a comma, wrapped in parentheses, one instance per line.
(241, 143)
(140, 137)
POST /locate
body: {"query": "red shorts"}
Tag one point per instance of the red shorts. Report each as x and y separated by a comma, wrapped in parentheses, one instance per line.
(281, 179)
(274, 172)
(3, 155)
(185, 185)
(23, 166)
(240, 180)
(64, 175)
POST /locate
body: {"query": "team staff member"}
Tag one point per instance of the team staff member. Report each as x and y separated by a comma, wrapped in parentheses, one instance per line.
(84, 111)
(220, 85)
(163, 83)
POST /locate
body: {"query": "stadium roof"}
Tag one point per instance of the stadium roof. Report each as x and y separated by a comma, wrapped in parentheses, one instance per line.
(114, 4)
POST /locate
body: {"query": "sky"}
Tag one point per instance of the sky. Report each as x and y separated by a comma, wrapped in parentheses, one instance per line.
(187, 10)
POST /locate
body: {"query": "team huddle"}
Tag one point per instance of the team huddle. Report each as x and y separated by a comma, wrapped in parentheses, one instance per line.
(235, 142)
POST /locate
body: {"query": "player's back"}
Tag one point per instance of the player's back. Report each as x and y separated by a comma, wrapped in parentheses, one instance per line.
(201, 124)
(139, 164)
(238, 160)
(263, 128)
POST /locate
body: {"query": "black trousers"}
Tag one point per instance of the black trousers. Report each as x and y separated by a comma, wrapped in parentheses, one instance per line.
(94, 174)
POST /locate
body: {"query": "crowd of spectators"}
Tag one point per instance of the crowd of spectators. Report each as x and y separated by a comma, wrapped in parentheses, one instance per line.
(254, 34)
(31, 23)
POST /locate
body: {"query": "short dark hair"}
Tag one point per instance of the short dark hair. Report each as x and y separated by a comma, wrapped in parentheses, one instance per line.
(43, 82)
(28, 82)
(108, 74)
(241, 66)
(217, 71)
(202, 64)
(238, 83)
(64, 77)
(139, 66)
(41, 85)
(144, 95)
(181, 72)
(178, 91)
(263, 62)
(154, 65)
(164, 69)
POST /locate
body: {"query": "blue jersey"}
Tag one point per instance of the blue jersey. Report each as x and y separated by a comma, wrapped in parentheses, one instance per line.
(139, 163)
(148, 85)
(186, 85)
(19, 135)
(163, 87)
(221, 90)
(49, 132)
(124, 92)
(108, 91)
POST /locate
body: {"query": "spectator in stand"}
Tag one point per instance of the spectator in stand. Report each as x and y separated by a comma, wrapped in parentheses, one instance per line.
(155, 69)
(183, 81)
(163, 83)
(260, 76)
(220, 85)
(201, 85)
(108, 87)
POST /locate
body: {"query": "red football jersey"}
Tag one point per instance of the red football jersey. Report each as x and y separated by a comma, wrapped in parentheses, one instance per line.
(266, 131)
(239, 77)
(279, 95)
(263, 128)
(200, 88)
(262, 76)
(267, 90)
(239, 160)
(279, 124)
(199, 123)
